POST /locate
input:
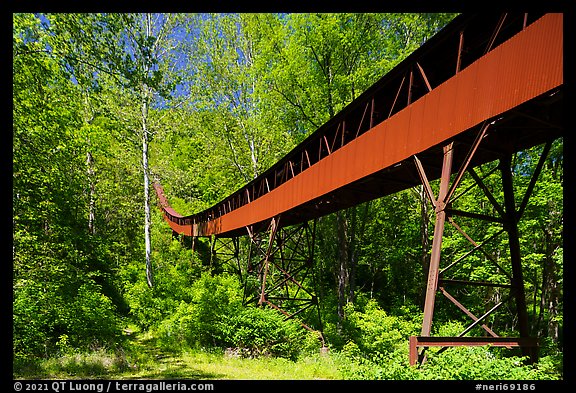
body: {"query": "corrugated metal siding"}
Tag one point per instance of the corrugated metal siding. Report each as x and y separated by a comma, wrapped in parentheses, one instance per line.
(524, 67)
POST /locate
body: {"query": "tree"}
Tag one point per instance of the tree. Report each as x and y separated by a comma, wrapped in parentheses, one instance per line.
(327, 61)
(57, 268)
(227, 63)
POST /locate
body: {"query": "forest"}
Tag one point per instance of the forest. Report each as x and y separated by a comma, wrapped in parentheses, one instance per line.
(104, 105)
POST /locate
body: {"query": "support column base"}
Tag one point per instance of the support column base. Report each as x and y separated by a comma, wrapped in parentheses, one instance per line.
(421, 341)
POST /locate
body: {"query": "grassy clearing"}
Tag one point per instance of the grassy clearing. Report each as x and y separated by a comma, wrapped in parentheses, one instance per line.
(189, 365)
(202, 365)
(144, 360)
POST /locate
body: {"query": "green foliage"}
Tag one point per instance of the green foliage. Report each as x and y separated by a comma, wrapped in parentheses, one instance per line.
(373, 330)
(92, 315)
(378, 349)
(173, 278)
(263, 331)
(197, 322)
(61, 320)
(100, 363)
(229, 95)
(459, 363)
(215, 317)
(480, 363)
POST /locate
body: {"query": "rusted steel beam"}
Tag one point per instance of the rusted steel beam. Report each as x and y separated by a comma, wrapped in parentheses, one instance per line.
(474, 283)
(478, 216)
(286, 267)
(514, 246)
(486, 191)
(477, 246)
(291, 168)
(289, 277)
(471, 251)
(424, 341)
(226, 253)
(466, 311)
(475, 341)
(410, 83)
(466, 162)
(437, 242)
(361, 121)
(485, 89)
(423, 74)
(273, 229)
(397, 94)
(534, 178)
(307, 158)
(288, 316)
(481, 318)
(495, 33)
(424, 180)
(460, 46)
(327, 146)
(336, 137)
(413, 350)
(372, 113)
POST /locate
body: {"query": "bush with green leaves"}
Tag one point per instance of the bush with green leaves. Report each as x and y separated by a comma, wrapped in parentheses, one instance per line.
(197, 323)
(374, 330)
(92, 318)
(54, 319)
(175, 269)
(263, 331)
(30, 321)
(378, 349)
(215, 317)
(473, 363)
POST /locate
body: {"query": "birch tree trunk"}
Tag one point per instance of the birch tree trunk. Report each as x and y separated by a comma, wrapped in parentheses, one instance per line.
(342, 236)
(91, 202)
(145, 170)
(145, 99)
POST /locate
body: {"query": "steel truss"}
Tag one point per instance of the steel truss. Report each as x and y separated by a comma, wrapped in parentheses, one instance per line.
(507, 215)
(277, 270)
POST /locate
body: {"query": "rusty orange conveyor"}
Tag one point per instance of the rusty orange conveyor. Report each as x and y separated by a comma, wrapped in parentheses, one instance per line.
(503, 86)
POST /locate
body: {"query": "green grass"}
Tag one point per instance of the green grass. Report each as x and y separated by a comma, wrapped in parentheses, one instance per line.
(202, 365)
(141, 358)
(144, 360)
(188, 365)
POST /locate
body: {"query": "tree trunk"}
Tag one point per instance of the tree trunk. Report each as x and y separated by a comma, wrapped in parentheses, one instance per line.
(146, 95)
(352, 253)
(551, 286)
(342, 236)
(146, 188)
(91, 202)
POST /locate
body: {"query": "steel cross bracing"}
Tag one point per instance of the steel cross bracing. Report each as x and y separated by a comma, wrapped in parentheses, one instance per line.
(478, 68)
(483, 88)
(507, 215)
(277, 269)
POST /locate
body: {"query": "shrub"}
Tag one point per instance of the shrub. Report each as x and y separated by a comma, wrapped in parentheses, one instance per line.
(373, 330)
(198, 322)
(176, 332)
(263, 331)
(176, 268)
(30, 321)
(55, 320)
(473, 363)
(216, 318)
(93, 319)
